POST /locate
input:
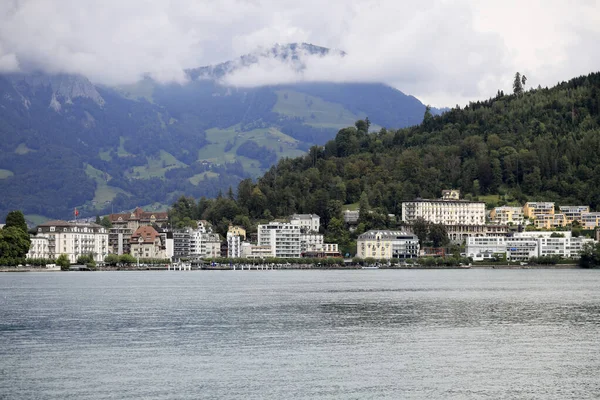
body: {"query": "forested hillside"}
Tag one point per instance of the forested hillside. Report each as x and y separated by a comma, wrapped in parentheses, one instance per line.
(542, 144)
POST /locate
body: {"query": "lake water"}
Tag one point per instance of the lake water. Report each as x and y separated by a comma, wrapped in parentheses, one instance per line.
(360, 334)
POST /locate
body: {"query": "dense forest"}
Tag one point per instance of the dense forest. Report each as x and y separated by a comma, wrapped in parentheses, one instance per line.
(537, 144)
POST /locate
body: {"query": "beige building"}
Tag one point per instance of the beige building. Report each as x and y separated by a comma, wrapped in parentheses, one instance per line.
(507, 215)
(385, 244)
(72, 239)
(550, 221)
(590, 220)
(573, 213)
(532, 209)
(145, 242)
(255, 251)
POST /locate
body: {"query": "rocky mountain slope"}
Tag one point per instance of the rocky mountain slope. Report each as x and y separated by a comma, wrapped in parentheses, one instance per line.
(68, 143)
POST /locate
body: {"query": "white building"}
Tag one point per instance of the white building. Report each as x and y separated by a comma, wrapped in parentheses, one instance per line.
(484, 248)
(447, 212)
(385, 244)
(74, 239)
(234, 245)
(524, 245)
(306, 222)
(282, 237)
(255, 251)
(311, 242)
(351, 216)
(39, 247)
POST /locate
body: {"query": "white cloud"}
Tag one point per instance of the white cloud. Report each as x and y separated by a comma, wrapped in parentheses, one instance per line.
(444, 52)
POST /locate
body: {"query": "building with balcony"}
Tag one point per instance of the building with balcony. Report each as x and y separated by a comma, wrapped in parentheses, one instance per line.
(73, 239)
(590, 220)
(533, 209)
(446, 212)
(387, 244)
(282, 237)
(39, 247)
(573, 213)
(234, 245)
(507, 215)
(550, 221)
(146, 242)
(524, 245)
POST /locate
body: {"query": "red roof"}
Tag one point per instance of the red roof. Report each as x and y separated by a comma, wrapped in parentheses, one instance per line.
(147, 233)
(139, 215)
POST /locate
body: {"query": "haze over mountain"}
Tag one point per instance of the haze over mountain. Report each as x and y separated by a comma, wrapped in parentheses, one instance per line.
(68, 143)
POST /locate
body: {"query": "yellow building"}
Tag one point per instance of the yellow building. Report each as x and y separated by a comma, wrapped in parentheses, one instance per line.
(505, 215)
(590, 220)
(237, 231)
(573, 213)
(550, 221)
(532, 209)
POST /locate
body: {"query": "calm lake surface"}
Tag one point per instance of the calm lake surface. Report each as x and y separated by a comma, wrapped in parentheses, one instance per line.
(361, 334)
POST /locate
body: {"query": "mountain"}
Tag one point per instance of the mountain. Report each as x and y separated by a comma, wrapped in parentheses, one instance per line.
(68, 143)
(541, 145)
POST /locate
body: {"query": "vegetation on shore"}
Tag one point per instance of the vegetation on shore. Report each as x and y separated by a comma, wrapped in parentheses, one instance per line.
(538, 144)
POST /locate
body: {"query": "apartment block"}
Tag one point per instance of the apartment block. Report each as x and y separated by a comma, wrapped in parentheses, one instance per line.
(524, 245)
(387, 244)
(282, 237)
(533, 209)
(234, 245)
(590, 220)
(507, 215)
(573, 213)
(550, 221)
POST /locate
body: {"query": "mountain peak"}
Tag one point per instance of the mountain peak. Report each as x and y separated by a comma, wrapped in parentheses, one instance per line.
(293, 53)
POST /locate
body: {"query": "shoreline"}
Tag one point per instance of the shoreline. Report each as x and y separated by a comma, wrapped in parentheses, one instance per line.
(300, 267)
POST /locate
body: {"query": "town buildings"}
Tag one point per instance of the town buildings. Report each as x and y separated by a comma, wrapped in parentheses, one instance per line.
(125, 224)
(523, 245)
(54, 238)
(387, 244)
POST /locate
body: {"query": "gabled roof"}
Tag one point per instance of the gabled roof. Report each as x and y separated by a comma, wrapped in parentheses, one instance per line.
(139, 215)
(147, 233)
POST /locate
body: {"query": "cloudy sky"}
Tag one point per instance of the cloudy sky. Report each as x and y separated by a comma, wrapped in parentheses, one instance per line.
(443, 52)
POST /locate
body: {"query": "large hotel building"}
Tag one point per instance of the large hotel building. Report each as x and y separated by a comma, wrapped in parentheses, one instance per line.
(448, 211)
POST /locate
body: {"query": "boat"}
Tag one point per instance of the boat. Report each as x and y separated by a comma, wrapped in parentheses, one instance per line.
(369, 267)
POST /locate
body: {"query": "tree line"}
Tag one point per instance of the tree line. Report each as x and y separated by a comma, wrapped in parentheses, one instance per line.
(537, 144)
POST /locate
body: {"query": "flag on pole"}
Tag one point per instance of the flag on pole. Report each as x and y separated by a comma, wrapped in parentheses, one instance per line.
(76, 212)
